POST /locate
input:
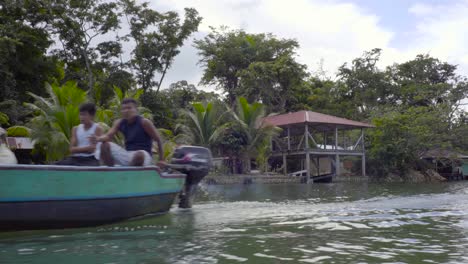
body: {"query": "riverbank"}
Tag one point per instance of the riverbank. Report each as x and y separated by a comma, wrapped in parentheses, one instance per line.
(412, 177)
(249, 179)
(213, 179)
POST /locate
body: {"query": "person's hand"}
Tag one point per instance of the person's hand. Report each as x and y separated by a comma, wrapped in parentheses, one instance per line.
(161, 164)
(93, 139)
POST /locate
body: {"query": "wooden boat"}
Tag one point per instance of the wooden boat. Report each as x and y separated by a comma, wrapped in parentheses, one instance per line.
(38, 197)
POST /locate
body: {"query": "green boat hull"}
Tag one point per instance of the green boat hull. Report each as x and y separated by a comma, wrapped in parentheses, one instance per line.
(36, 197)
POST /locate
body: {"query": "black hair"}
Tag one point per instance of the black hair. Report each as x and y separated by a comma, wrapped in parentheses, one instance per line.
(88, 107)
(130, 101)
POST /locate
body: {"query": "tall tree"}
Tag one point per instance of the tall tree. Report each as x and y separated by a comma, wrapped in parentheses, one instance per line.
(157, 38)
(274, 83)
(364, 85)
(426, 81)
(79, 25)
(424, 113)
(24, 40)
(227, 54)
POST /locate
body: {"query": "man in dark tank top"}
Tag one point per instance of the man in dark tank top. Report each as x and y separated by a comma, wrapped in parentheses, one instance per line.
(139, 135)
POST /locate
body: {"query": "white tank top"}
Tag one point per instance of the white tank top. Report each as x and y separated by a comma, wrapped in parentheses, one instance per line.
(82, 138)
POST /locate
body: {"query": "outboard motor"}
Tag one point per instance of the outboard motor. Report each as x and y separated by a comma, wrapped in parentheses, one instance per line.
(196, 163)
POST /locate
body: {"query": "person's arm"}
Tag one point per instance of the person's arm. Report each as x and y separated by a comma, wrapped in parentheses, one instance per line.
(109, 135)
(73, 141)
(153, 133)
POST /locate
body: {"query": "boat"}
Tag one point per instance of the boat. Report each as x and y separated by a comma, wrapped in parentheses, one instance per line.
(321, 178)
(48, 197)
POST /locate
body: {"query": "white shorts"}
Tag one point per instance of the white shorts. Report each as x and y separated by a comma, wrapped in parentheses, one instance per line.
(122, 156)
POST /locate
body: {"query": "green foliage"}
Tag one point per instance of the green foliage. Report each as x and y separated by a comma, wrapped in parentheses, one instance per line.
(18, 131)
(274, 82)
(3, 119)
(169, 142)
(78, 25)
(108, 114)
(426, 81)
(241, 64)
(203, 125)
(158, 37)
(364, 86)
(399, 139)
(166, 104)
(55, 116)
(24, 64)
(248, 120)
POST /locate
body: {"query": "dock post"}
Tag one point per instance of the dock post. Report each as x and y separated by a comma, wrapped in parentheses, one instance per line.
(306, 145)
(363, 154)
(364, 165)
(285, 165)
(337, 156)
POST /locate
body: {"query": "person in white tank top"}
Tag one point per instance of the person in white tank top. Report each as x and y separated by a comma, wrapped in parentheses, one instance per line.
(81, 148)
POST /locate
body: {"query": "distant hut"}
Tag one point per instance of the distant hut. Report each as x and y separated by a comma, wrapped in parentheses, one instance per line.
(317, 142)
(448, 163)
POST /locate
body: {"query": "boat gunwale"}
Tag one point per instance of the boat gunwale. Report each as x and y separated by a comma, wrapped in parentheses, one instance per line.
(90, 168)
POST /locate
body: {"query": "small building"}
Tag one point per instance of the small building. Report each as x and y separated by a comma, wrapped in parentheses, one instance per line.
(317, 142)
(450, 164)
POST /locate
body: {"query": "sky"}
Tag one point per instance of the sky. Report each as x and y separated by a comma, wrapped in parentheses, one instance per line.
(332, 32)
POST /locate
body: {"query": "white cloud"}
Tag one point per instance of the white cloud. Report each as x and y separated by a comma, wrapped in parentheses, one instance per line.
(443, 34)
(333, 31)
(421, 9)
(329, 30)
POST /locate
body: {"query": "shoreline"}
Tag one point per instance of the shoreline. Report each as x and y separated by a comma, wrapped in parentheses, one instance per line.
(215, 179)
(269, 178)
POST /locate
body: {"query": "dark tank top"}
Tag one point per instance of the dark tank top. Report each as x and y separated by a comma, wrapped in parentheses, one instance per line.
(135, 135)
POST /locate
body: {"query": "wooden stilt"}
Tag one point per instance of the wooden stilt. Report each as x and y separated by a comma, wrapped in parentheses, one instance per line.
(337, 156)
(285, 165)
(363, 153)
(307, 156)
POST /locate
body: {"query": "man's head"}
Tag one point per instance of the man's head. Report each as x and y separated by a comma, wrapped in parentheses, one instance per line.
(87, 113)
(129, 108)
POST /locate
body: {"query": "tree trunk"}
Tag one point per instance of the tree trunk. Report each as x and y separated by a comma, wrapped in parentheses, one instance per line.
(162, 77)
(246, 164)
(90, 72)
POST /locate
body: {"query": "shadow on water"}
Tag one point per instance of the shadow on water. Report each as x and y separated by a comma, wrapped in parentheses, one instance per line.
(294, 223)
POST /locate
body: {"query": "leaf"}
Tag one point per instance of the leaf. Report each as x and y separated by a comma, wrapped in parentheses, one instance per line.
(118, 93)
(3, 119)
(18, 131)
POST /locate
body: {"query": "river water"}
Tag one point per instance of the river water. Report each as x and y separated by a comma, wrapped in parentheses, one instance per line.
(288, 223)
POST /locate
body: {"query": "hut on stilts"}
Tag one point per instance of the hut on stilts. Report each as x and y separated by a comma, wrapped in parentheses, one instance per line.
(312, 145)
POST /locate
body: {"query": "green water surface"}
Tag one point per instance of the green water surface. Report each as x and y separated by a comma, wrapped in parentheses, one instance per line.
(289, 223)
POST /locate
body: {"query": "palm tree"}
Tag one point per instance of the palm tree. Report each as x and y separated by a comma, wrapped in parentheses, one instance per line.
(203, 125)
(106, 115)
(257, 134)
(54, 118)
